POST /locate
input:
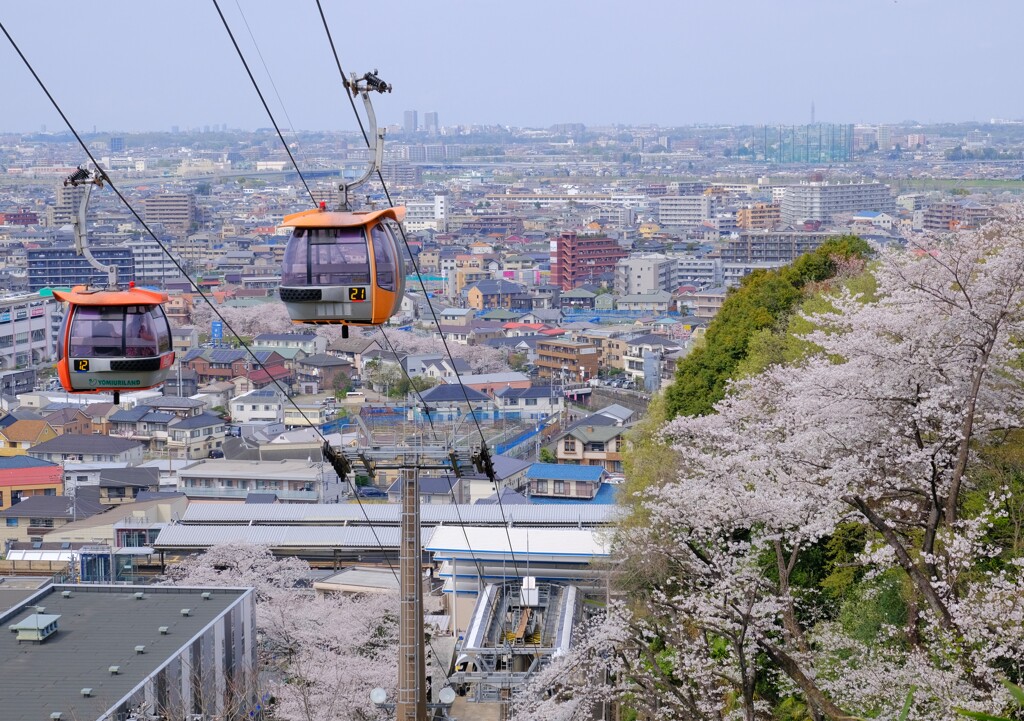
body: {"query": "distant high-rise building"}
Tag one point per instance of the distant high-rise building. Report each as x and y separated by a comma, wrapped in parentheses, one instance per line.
(821, 201)
(66, 208)
(578, 259)
(175, 211)
(117, 145)
(411, 124)
(57, 267)
(645, 273)
(430, 123)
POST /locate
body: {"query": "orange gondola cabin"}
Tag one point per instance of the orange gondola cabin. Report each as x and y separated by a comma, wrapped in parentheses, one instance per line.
(113, 340)
(343, 267)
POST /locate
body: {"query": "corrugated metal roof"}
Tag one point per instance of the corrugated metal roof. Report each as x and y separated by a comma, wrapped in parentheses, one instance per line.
(582, 514)
(192, 536)
(526, 542)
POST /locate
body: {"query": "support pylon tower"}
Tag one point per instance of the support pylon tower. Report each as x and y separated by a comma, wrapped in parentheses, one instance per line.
(412, 693)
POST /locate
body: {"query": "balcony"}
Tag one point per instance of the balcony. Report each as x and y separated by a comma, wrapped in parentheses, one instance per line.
(216, 492)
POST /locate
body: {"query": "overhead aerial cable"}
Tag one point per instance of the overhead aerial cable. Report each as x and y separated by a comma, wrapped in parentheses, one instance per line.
(483, 453)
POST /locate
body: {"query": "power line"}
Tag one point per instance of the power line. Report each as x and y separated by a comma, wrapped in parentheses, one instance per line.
(270, 77)
(192, 282)
(483, 439)
(266, 107)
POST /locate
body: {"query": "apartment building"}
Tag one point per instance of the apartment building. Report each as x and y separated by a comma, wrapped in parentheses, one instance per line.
(566, 360)
(687, 211)
(759, 216)
(63, 267)
(427, 215)
(65, 211)
(945, 216)
(696, 270)
(290, 480)
(645, 273)
(29, 328)
(822, 201)
(771, 246)
(583, 258)
(152, 265)
(175, 211)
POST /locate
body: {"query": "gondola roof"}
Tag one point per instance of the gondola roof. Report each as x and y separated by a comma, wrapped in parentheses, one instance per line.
(318, 218)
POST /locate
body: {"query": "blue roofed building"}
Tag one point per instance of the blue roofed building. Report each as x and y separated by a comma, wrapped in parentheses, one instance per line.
(559, 480)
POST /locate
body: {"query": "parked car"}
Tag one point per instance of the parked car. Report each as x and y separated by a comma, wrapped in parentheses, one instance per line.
(371, 492)
(215, 453)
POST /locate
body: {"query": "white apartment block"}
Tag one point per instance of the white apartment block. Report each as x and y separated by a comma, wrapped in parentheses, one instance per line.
(646, 273)
(29, 327)
(152, 266)
(687, 210)
(427, 215)
(699, 271)
(822, 201)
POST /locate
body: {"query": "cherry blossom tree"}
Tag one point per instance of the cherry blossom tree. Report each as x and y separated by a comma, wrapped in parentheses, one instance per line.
(322, 655)
(853, 460)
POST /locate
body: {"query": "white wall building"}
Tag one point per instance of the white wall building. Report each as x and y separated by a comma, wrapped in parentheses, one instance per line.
(29, 326)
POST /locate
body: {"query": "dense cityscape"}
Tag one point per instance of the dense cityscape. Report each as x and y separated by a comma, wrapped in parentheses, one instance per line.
(651, 383)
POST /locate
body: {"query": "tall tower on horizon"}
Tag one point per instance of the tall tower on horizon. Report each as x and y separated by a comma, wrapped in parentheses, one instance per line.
(812, 112)
(430, 123)
(411, 124)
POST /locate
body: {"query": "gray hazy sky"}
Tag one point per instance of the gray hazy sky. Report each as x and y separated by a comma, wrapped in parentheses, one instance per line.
(144, 65)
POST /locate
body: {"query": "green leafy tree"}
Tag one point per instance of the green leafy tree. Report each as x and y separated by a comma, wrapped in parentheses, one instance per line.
(763, 301)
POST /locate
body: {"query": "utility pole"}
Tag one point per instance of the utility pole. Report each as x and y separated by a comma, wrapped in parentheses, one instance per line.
(411, 702)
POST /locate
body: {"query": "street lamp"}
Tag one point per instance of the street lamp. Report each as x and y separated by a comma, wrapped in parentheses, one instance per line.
(446, 697)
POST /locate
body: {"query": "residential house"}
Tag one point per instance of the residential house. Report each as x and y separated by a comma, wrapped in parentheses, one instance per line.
(184, 339)
(18, 437)
(352, 350)
(492, 294)
(556, 480)
(657, 302)
(182, 382)
(444, 368)
(576, 299)
(34, 517)
(69, 420)
(144, 424)
(490, 383)
(215, 396)
(195, 436)
(449, 401)
(510, 474)
(88, 449)
(461, 317)
(123, 485)
(323, 372)
(592, 445)
(266, 405)
(223, 364)
(22, 477)
(290, 346)
(99, 416)
(534, 403)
